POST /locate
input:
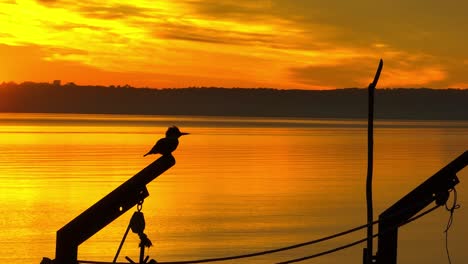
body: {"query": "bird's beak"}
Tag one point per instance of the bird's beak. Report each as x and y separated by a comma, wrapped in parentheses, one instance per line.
(184, 133)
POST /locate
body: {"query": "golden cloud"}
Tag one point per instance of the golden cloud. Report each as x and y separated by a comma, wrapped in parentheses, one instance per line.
(268, 43)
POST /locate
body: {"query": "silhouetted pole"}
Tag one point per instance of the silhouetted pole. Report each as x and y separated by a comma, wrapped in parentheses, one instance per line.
(106, 210)
(370, 161)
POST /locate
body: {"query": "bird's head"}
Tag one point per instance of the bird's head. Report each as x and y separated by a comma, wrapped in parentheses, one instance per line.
(174, 132)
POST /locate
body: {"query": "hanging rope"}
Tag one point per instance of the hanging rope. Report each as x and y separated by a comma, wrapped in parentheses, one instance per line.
(284, 248)
(451, 209)
(266, 251)
(122, 242)
(358, 241)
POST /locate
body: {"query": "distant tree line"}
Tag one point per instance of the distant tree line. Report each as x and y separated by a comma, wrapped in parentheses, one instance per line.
(421, 103)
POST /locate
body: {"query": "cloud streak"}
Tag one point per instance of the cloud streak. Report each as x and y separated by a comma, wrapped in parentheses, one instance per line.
(270, 43)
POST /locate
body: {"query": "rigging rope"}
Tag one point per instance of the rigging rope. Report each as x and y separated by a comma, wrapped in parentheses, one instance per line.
(260, 253)
(358, 241)
(452, 209)
(121, 243)
(283, 248)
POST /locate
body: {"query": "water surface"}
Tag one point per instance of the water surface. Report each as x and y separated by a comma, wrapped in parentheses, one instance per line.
(240, 185)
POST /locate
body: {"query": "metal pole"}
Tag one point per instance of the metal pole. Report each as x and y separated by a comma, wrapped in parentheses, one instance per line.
(370, 161)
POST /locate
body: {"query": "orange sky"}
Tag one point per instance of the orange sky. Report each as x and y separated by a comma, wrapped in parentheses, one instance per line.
(235, 43)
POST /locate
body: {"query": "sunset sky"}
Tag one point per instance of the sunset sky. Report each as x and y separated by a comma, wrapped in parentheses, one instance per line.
(300, 44)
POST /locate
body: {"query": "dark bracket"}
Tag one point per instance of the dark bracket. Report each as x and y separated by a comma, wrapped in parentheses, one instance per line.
(436, 188)
(107, 210)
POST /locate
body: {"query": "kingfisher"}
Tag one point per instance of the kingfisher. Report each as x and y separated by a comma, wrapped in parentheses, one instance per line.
(167, 145)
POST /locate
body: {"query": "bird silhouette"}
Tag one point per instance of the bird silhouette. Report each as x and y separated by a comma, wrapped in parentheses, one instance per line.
(167, 145)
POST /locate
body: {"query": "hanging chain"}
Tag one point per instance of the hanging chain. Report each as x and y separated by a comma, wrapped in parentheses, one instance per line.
(140, 205)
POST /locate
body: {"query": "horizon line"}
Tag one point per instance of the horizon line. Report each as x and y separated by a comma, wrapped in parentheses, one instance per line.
(59, 84)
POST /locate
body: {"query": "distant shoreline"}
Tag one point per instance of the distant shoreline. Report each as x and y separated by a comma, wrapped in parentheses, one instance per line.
(363, 119)
(390, 104)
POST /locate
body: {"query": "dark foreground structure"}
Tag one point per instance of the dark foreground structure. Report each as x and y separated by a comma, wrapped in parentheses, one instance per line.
(109, 208)
(435, 189)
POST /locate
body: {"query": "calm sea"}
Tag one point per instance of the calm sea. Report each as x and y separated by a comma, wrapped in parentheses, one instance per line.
(240, 185)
